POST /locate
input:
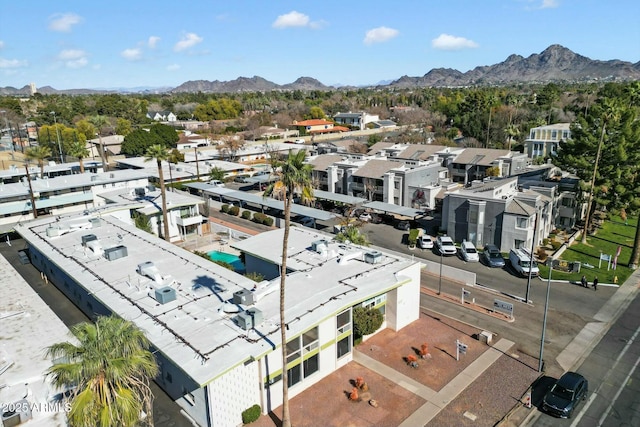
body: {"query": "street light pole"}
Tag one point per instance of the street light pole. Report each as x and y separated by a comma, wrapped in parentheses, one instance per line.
(55, 121)
(533, 248)
(544, 319)
(440, 282)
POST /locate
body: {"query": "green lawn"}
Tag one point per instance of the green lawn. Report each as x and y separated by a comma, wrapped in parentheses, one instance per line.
(612, 234)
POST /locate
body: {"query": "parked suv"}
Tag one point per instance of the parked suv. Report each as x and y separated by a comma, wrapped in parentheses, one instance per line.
(446, 246)
(425, 242)
(565, 395)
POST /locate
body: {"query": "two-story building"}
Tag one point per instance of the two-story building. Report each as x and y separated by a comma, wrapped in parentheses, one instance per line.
(357, 120)
(317, 126)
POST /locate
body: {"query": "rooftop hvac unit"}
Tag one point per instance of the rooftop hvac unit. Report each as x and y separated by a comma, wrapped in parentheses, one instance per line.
(244, 320)
(115, 253)
(373, 257)
(149, 270)
(95, 247)
(94, 178)
(151, 187)
(243, 296)
(87, 238)
(320, 246)
(112, 175)
(10, 419)
(53, 231)
(140, 192)
(95, 222)
(165, 295)
(256, 316)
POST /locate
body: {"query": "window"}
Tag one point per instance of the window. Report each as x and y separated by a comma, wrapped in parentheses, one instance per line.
(473, 216)
(311, 365)
(344, 346)
(522, 222)
(310, 340)
(519, 244)
(343, 321)
(294, 375)
(293, 350)
(567, 202)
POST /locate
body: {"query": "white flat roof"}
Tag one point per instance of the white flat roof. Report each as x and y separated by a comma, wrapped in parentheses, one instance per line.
(28, 328)
(196, 330)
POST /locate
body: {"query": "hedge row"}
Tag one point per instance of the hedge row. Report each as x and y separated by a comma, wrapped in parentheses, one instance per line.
(258, 217)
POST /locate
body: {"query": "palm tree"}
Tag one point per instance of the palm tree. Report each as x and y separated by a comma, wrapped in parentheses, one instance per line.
(159, 153)
(109, 371)
(611, 113)
(174, 157)
(78, 149)
(294, 175)
(39, 153)
(512, 131)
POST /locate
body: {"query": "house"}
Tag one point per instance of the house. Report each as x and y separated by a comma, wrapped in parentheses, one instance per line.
(317, 126)
(474, 164)
(543, 141)
(162, 116)
(357, 120)
(215, 333)
(188, 139)
(111, 144)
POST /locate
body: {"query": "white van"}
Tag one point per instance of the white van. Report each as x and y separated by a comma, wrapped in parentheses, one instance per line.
(521, 260)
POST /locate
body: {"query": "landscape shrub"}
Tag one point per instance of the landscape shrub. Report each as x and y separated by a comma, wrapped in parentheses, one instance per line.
(413, 236)
(268, 221)
(251, 414)
(556, 245)
(541, 254)
(258, 217)
(224, 209)
(246, 215)
(234, 210)
(366, 320)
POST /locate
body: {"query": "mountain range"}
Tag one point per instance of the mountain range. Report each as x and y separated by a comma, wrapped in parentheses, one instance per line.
(554, 64)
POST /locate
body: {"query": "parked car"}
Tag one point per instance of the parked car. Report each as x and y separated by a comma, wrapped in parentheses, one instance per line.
(216, 183)
(299, 141)
(446, 246)
(262, 172)
(468, 252)
(365, 216)
(565, 395)
(492, 256)
(307, 222)
(425, 242)
(403, 225)
(241, 178)
(522, 262)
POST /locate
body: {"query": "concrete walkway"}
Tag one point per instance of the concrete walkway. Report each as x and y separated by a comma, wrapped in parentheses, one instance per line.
(436, 400)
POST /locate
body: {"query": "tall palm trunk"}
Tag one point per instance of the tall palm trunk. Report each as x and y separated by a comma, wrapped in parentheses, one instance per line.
(593, 183)
(635, 253)
(165, 223)
(286, 417)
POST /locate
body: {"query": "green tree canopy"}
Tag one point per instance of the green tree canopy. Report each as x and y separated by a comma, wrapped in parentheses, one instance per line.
(136, 143)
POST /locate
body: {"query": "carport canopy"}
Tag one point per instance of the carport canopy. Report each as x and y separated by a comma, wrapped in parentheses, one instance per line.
(336, 197)
(394, 209)
(268, 202)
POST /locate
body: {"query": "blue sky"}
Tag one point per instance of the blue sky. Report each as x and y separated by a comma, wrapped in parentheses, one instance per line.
(138, 43)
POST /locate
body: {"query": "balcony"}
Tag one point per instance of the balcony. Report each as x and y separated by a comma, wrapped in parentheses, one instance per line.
(189, 220)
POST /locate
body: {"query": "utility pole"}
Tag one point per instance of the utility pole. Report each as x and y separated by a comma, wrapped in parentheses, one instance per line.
(55, 121)
(533, 248)
(33, 200)
(195, 150)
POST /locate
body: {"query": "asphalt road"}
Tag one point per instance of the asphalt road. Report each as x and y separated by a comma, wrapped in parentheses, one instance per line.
(614, 378)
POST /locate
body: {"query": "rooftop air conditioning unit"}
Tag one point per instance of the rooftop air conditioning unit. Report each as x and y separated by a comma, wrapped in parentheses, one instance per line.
(148, 269)
(243, 296)
(116, 252)
(165, 295)
(373, 257)
(53, 231)
(256, 316)
(94, 178)
(95, 222)
(320, 246)
(87, 238)
(244, 320)
(140, 192)
(112, 175)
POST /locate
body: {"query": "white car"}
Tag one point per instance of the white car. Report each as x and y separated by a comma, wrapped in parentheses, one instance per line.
(299, 141)
(366, 217)
(425, 242)
(468, 252)
(216, 183)
(446, 246)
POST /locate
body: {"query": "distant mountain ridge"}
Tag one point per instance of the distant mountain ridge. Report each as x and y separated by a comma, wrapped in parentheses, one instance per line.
(554, 64)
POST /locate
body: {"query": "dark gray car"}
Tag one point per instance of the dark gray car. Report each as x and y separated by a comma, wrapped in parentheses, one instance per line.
(565, 395)
(492, 257)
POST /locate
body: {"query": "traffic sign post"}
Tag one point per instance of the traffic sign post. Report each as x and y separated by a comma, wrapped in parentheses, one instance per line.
(460, 348)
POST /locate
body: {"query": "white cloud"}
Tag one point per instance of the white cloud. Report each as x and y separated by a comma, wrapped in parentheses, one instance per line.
(1, 44)
(73, 58)
(549, 4)
(131, 54)
(187, 41)
(63, 22)
(449, 42)
(153, 41)
(6, 64)
(379, 35)
(173, 67)
(291, 19)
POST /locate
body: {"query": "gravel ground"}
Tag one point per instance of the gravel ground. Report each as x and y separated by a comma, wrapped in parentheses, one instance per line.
(492, 395)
